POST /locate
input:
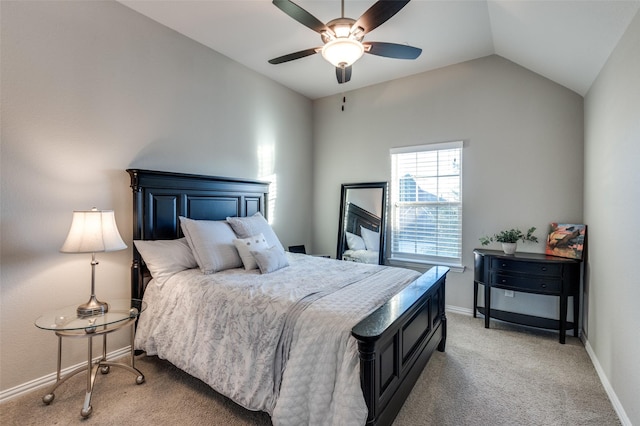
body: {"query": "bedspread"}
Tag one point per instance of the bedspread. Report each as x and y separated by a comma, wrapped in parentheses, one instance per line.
(278, 342)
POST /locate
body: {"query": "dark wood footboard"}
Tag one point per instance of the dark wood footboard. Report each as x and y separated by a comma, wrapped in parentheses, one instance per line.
(397, 340)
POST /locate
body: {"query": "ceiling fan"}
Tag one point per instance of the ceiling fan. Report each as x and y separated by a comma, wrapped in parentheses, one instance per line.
(342, 37)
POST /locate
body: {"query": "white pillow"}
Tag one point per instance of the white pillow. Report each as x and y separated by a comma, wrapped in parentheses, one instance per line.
(355, 242)
(371, 239)
(245, 227)
(271, 259)
(166, 257)
(212, 244)
(246, 245)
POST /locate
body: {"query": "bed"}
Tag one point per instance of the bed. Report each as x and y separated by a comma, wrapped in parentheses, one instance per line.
(362, 235)
(392, 342)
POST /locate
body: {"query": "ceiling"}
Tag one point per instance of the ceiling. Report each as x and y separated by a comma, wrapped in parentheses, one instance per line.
(566, 41)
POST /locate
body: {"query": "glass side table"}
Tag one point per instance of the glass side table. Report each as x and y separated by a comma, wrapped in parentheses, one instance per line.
(66, 323)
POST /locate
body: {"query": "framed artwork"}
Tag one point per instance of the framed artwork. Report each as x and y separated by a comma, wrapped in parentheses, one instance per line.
(566, 240)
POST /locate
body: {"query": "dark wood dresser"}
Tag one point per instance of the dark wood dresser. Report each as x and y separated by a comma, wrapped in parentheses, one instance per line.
(530, 273)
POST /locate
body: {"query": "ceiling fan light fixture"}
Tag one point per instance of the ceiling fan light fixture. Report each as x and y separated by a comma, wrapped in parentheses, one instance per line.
(342, 30)
(342, 51)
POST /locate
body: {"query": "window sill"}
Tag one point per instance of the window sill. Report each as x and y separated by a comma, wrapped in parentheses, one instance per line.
(423, 265)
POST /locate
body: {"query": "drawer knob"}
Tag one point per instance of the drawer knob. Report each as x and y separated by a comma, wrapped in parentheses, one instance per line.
(543, 285)
(544, 268)
(504, 265)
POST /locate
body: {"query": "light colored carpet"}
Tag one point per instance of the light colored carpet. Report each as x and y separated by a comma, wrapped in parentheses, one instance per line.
(506, 375)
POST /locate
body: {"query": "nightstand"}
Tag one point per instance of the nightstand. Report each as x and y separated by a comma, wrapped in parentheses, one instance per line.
(65, 322)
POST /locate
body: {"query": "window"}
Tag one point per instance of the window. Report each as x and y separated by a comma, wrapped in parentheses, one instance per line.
(426, 203)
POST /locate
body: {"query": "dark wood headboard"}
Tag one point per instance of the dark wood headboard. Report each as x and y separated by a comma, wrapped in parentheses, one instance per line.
(357, 216)
(159, 198)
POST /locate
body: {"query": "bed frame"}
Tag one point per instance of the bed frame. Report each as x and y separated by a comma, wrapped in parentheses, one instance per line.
(357, 216)
(395, 342)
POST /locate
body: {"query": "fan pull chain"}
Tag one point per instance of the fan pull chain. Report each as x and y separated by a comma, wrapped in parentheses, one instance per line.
(344, 100)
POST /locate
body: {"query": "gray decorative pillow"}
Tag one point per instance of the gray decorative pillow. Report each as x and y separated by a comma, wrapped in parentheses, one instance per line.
(246, 245)
(271, 259)
(212, 244)
(245, 227)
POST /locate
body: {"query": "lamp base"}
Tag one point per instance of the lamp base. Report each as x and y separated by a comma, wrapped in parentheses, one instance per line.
(92, 307)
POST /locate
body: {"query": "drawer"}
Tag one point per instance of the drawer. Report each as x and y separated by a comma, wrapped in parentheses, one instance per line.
(538, 268)
(530, 283)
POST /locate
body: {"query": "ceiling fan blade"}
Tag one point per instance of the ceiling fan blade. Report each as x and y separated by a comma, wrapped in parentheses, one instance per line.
(343, 74)
(392, 50)
(300, 15)
(378, 14)
(295, 55)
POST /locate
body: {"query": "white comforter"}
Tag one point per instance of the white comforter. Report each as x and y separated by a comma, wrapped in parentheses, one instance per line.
(279, 342)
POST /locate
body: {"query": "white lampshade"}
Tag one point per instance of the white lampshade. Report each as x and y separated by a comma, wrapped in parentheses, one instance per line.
(93, 231)
(343, 51)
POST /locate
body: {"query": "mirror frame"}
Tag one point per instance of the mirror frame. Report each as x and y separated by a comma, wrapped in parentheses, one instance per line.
(383, 224)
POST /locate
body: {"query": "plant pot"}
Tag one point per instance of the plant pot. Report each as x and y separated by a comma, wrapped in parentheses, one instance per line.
(509, 248)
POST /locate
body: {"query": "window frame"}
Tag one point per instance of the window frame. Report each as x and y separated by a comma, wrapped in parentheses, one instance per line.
(415, 258)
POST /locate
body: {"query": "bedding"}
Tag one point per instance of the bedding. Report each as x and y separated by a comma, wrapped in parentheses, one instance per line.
(279, 342)
(361, 256)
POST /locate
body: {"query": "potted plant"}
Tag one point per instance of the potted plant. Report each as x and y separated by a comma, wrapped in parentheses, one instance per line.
(509, 239)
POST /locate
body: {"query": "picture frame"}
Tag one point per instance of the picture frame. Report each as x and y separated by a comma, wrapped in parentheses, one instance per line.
(566, 240)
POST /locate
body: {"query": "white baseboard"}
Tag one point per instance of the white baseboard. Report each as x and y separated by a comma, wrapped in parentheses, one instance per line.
(458, 310)
(617, 406)
(50, 378)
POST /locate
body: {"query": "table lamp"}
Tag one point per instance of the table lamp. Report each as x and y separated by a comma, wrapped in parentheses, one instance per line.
(93, 231)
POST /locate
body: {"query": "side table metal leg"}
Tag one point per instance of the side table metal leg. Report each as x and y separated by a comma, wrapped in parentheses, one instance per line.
(59, 367)
(104, 369)
(91, 376)
(48, 398)
(140, 378)
(132, 341)
(132, 368)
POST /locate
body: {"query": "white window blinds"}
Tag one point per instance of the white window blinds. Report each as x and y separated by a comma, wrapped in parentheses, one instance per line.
(426, 203)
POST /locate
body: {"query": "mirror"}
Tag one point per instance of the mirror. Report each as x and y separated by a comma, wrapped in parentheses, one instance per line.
(361, 231)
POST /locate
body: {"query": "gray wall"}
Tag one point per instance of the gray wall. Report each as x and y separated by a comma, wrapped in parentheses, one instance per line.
(88, 90)
(91, 88)
(522, 155)
(612, 211)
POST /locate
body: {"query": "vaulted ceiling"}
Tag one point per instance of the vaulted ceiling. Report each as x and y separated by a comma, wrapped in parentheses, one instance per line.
(567, 41)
